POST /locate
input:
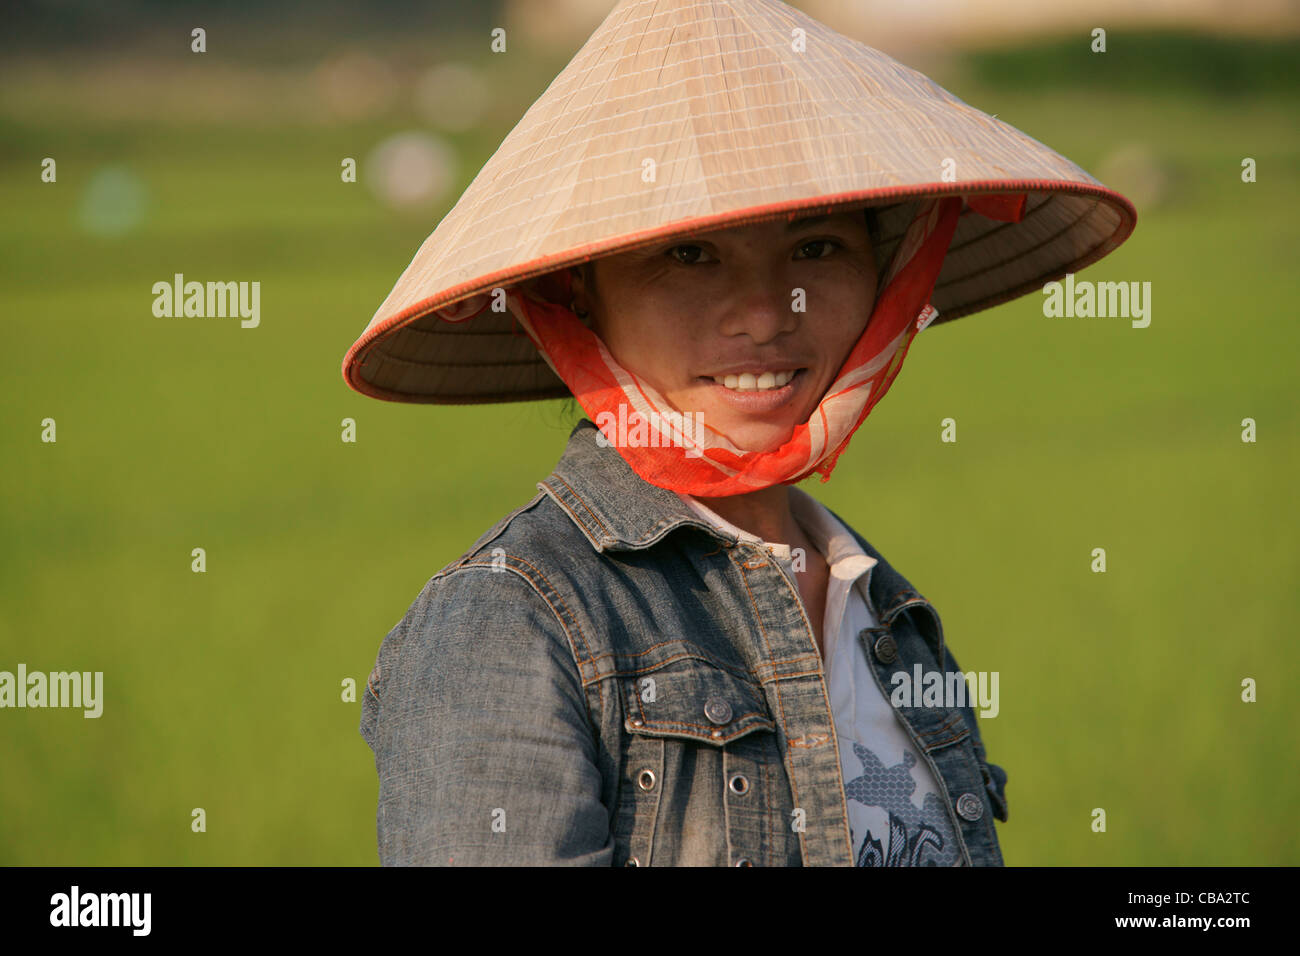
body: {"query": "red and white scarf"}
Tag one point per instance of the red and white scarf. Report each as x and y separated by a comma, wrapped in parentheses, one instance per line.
(681, 453)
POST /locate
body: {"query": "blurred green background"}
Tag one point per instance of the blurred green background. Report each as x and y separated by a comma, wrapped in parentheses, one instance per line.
(223, 689)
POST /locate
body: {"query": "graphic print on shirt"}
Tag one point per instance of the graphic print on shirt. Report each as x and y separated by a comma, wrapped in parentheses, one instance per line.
(917, 836)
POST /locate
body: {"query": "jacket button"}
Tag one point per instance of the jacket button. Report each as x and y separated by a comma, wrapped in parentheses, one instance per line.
(743, 861)
(970, 807)
(632, 861)
(740, 785)
(638, 722)
(886, 649)
(717, 710)
(646, 780)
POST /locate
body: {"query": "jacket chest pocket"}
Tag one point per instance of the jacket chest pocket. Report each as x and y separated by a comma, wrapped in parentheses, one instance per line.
(700, 769)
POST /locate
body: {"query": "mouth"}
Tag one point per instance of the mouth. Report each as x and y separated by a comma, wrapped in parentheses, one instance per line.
(767, 390)
(762, 382)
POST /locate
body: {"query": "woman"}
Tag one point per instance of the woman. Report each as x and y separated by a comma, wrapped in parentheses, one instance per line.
(719, 230)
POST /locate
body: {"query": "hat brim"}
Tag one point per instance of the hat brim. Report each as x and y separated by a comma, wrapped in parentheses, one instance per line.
(416, 356)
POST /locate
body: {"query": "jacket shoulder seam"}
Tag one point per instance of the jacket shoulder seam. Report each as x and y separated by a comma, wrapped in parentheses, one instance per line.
(585, 507)
(489, 536)
(562, 619)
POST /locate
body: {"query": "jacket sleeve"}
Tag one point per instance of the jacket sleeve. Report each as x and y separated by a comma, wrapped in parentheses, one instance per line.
(477, 718)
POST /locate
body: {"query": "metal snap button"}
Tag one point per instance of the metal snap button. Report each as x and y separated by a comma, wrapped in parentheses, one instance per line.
(632, 861)
(886, 649)
(638, 722)
(717, 710)
(970, 807)
(646, 780)
(739, 784)
(743, 861)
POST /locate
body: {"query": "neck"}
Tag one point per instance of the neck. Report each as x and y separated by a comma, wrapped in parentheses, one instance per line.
(765, 513)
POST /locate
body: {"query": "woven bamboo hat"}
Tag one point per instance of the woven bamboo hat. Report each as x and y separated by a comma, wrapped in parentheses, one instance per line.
(684, 116)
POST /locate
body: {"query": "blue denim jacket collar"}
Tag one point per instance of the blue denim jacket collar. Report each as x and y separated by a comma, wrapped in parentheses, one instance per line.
(617, 510)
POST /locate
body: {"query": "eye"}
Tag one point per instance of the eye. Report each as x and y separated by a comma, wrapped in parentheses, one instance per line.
(829, 244)
(672, 253)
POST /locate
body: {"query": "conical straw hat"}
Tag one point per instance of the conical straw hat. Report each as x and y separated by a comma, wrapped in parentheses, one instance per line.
(684, 116)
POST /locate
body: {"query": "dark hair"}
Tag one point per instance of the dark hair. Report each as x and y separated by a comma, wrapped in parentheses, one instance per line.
(872, 215)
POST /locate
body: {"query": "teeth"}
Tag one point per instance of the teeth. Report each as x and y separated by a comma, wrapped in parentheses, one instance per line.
(748, 382)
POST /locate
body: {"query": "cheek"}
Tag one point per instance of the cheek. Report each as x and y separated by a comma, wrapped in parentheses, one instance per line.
(651, 318)
(847, 314)
(644, 335)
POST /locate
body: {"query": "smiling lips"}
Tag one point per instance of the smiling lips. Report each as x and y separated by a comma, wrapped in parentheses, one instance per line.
(750, 382)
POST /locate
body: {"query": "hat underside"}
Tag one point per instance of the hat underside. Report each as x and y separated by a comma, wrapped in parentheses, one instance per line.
(416, 356)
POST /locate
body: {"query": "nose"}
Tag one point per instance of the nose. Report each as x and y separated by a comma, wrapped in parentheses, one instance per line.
(760, 306)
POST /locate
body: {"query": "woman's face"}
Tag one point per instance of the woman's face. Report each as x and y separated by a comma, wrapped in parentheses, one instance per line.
(693, 316)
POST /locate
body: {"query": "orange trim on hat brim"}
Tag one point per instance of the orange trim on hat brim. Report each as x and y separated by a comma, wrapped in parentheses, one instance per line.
(355, 357)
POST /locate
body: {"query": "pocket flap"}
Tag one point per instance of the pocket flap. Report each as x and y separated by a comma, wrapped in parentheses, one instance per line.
(693, 698)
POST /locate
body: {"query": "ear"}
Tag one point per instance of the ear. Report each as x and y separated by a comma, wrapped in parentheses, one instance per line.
(578, 286)
(552, 287)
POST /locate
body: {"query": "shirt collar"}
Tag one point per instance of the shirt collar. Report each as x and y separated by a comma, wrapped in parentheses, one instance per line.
(617, 510)
(844, 556)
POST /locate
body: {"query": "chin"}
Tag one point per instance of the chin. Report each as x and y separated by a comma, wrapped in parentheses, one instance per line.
(759, 436)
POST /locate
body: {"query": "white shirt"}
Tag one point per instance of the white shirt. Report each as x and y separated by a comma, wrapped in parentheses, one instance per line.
(896, 815)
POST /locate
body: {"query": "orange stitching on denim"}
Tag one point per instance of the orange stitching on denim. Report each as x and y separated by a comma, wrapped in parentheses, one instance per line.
(955, 718)
(946, 741)
(582, 525)
(810, 673)
(584, 504)
(751, 679)
(803, 613)
(669, 728)
(652, 647)
(547, 600)
(500, 527)
(764, 719)
(766, 644)
(780, 701)
(678, 723)
(780, 669)
(758, 616)
(951, 738)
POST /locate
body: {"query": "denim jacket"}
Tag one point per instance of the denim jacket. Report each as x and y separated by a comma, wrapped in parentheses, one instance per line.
(606, 679)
